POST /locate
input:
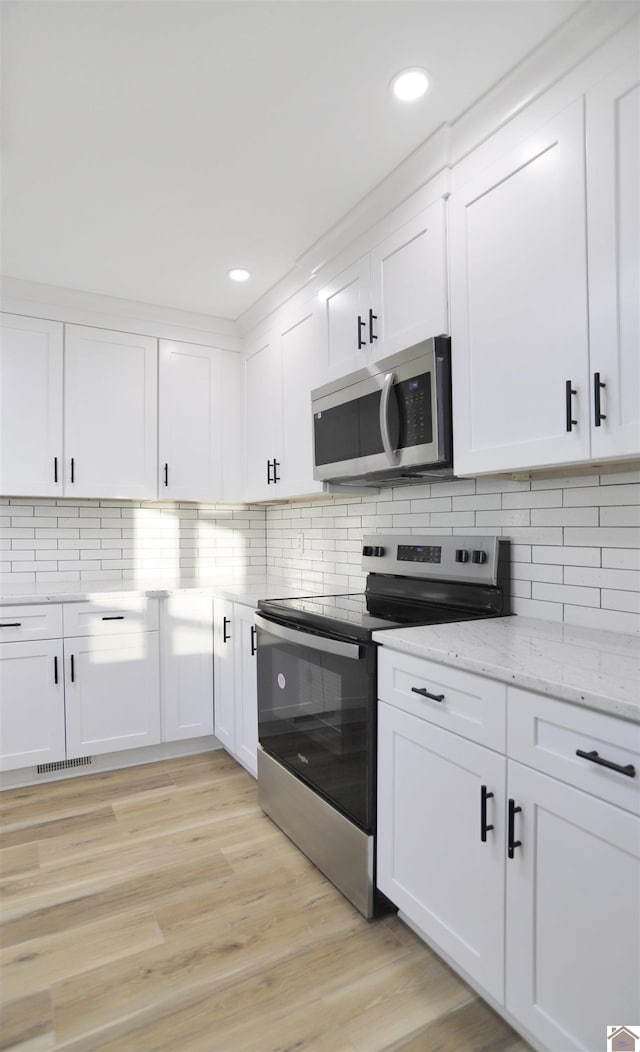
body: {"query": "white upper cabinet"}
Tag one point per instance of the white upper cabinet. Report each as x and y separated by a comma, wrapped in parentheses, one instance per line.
(31, 453)
(263, 415)
(391, 298)
(199, 422)
(110, 414)
(519, 305)
(613, 184)
(409, 283)
(348, 318)
(279, 377)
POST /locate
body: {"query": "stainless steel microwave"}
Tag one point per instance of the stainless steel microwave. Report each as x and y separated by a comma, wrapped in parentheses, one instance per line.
(388, 423)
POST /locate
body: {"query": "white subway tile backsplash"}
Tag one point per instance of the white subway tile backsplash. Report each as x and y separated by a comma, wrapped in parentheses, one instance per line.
(575, 541)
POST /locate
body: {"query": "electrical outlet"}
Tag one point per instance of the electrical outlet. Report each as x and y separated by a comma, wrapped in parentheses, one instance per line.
(299, 542)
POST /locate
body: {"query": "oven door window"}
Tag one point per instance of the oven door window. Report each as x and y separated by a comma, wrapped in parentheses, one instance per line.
(316, 715)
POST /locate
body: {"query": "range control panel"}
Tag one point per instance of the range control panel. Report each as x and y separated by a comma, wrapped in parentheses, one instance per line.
(447, 558)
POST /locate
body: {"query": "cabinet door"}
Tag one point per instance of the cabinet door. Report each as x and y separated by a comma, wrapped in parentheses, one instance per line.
(263, 414)
(112, 690)
(110, 414)
(30, 407)
(573, 913)
(432, 862)
(346, 301)
(187, 667)
(224, 630)
(31, 703)
(199, 422)
(301, 371)
(408, 282)
(613, 184)
(246, 689)
(519, 306)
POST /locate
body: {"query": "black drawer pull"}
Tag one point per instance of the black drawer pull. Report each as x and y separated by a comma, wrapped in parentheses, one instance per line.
(568, 392)
(114, 617)
(73, 670)
(484, 828)
(166, 474)
(361, 325)
(372, 317)
(597, 387)
(55, 469)
(276, 465)
(253, 639)
(627, 769)
(425, 694)
(73, 469)
(268, 473)
(55, 669)
(11, 624)
(511, 843)
(225, 636)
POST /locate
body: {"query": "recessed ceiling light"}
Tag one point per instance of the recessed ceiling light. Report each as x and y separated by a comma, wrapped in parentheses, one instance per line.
(410, 84)
(239, 274)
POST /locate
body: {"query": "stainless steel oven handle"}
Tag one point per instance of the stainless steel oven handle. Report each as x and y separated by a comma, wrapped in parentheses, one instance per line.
(389, 381)
(323, 643)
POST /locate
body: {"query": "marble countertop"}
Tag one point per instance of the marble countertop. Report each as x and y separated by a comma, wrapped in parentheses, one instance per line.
(594, 669)
(247, 592)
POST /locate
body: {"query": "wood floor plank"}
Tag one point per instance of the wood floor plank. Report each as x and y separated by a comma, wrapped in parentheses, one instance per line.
(26, 1025)
(189, 923)
(35, 965)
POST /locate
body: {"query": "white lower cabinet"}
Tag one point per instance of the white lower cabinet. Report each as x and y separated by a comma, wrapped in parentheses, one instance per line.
(32, 725)
(573, 913)
(112, 693)
(236, 694)
(433, 861)
(186, 654)
(543, 916)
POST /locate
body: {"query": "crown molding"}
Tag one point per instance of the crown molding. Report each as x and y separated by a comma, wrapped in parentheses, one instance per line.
(74, 306)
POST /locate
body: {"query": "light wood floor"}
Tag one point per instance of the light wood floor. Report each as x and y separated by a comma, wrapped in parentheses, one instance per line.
(157, 908)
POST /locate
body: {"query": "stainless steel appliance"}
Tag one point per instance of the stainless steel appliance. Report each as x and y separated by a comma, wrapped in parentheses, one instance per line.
(317, 690)
(389, 423)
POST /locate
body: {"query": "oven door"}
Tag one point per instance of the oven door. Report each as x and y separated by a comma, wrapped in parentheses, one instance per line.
(317, 713)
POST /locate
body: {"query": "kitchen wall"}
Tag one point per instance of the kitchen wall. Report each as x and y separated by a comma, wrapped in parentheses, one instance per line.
(575, 541)
(92, 543)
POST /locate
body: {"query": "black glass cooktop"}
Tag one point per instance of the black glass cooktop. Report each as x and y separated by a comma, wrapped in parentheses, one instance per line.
(358, 615)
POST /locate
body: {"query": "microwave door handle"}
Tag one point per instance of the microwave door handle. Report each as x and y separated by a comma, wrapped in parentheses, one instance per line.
(389, 381)
(323, 643)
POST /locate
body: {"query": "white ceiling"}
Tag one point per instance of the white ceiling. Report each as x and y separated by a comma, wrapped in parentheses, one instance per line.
(149, 146)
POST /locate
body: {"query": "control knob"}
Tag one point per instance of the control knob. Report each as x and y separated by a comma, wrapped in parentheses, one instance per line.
(479, 556)
(378, 551)
(462, 555)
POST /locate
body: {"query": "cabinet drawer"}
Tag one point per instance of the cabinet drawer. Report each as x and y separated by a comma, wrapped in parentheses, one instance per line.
(110, 616)
(19, 623)
(546, 734)
(471, 705)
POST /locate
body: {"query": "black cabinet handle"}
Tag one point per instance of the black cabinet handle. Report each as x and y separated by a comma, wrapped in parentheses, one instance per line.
(253, 640)
(597, 387)
(55, 670)
(276, 465)
(593, 757)
(361, 325)
(166, 474)
(114, 617)
(11, 624)
(268, 473)
(425, 694)
(73, 469)
(55, 469)
(73, 670)
(372, 317)
(484, 828)
(225, 621)
(511, 843)
(569, 391)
